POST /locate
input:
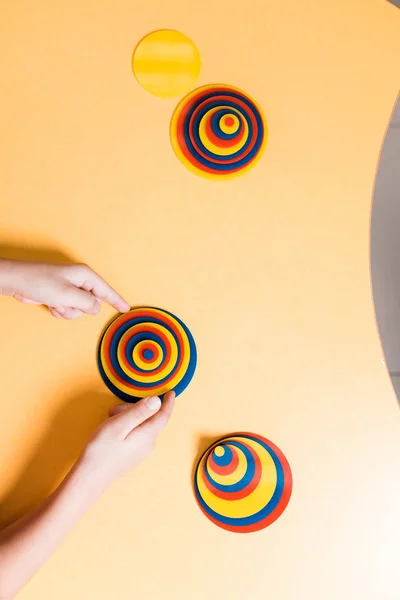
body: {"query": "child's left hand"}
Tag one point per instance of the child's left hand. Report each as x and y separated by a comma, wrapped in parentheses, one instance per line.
(69, 291)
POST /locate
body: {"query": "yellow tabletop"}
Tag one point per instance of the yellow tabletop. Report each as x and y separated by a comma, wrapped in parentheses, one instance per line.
(270, 271)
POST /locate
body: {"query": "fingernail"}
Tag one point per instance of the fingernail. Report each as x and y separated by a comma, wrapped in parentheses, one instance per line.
(153, 403)
(96, 308)
(60, 309)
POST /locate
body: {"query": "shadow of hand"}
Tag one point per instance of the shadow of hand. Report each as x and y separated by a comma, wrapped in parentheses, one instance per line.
(35, 253)
(59, 448)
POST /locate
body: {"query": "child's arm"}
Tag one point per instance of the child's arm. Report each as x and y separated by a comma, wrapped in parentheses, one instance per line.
(119, 444)
(69, 291)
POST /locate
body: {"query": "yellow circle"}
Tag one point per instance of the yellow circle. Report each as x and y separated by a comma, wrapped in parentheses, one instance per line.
(217, 149)
(219, 451)
(142, 364)
(166, 63)
(229, 128)
(166, 370)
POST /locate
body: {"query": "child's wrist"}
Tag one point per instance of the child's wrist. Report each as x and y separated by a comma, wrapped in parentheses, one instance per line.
(7, 276)
(12, 276)
(92, 477)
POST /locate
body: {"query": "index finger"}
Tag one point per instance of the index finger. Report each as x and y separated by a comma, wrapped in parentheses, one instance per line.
(87, 279)
(156, 423)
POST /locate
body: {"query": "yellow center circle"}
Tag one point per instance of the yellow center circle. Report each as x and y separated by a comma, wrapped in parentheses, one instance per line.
(219, 451)
(166, 63)
(142, 364)
(209, 145)
(227, 126)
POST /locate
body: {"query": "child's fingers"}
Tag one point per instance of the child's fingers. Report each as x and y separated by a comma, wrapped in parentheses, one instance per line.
(156, 424)
(80, 299)
(24, 300)
(70, 313)
(65, 312)
(84, 277)
(127, 420)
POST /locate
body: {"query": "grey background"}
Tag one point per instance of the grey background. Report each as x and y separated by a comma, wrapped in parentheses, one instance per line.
(385, 247)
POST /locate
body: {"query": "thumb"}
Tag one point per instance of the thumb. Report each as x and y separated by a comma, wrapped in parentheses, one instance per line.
(75, 297)
(126, 420)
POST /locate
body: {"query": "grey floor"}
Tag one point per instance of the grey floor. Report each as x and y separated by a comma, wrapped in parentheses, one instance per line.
(385, 247)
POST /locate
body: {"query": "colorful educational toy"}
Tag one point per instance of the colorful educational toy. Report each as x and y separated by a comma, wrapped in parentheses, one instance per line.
(166, 63)
(218, 132)
(146, 352)
(243, 482)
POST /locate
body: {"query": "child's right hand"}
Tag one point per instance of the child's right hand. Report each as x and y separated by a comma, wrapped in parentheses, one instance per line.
(119, 444)
(69, 291)
(125, 439)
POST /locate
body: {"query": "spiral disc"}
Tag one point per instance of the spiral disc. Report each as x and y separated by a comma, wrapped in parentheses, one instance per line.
(218, 132)
(243, 482)
(146, 352)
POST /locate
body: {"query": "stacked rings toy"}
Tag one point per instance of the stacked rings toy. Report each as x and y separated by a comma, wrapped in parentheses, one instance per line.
(218, 132)
(146, 352)
(243, 482)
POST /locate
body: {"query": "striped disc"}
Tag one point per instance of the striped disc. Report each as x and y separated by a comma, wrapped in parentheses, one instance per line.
(146, 352)
(218, 132)
(243, 483)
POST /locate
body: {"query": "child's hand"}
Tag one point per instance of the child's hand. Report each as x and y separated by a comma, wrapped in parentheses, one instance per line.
(125, 439)
(69, 291)
(119, 444)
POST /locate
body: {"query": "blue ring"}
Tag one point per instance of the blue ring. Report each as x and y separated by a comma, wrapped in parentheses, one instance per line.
(225, 459)
(216, 127)
(247, 477)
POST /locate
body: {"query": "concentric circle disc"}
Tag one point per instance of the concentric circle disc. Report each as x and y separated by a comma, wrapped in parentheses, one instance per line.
(218, 132)
(243, 482)
(146, 352)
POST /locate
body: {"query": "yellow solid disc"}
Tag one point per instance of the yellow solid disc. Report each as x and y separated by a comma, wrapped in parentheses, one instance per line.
(166, 63)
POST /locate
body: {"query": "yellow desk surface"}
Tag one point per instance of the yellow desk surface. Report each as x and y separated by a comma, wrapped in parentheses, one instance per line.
(270, 271)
